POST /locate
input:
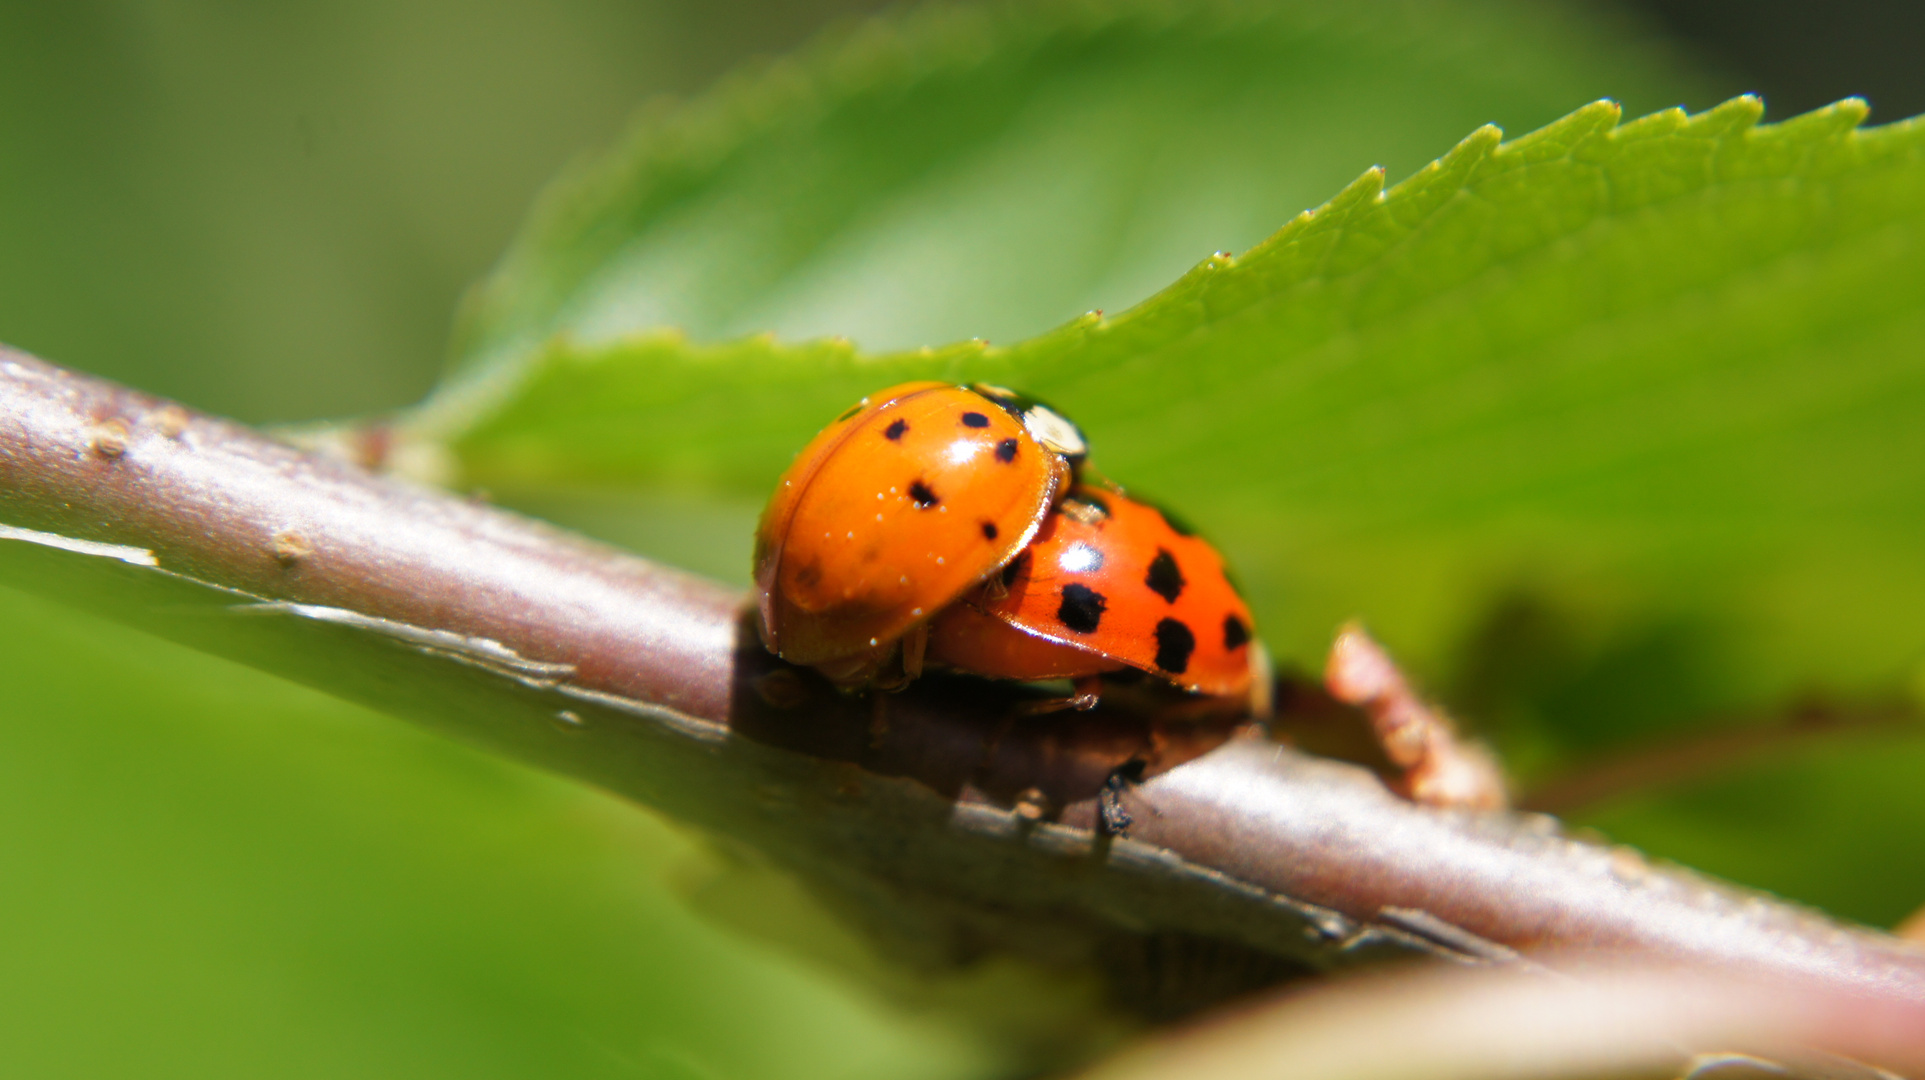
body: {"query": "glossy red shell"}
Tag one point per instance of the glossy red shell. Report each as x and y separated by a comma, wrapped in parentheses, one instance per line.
(1108, 582)
(892, 512)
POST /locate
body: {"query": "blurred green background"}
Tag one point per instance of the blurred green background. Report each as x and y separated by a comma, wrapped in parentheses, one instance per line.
(271, 214)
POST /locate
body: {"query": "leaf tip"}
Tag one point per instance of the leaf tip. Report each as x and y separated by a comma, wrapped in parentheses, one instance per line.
(1472, 148)
(1561, 135)
(1822, 123)
(1842, 114)
(1365, 188)
(1737, 114)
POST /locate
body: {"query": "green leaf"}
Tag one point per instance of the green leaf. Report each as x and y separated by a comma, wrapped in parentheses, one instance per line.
(990, 171)
(1647, 391)
(1836, 825)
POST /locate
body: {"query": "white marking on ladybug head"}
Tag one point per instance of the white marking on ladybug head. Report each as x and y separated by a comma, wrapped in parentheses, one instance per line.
(1054, 431)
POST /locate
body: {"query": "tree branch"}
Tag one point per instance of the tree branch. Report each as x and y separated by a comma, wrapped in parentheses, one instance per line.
(923, 827)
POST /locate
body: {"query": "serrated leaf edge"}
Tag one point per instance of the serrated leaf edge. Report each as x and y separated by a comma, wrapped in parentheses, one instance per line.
(1596, 128)
(1365, 203)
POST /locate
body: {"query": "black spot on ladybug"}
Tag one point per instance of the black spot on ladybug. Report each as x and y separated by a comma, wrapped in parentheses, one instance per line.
(1082, 609)
(1177, 525)
(894, 431)
(989, 530)
(1235, 634)
(1165, 578)
(1006, 451)
(924, 497)
(853, 409)
(1174, 644)
(1014, 568)
(809, 575)
(975, 419)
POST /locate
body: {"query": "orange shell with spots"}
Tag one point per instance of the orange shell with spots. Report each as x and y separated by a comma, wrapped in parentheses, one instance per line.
(894, 510)
(1109, 582)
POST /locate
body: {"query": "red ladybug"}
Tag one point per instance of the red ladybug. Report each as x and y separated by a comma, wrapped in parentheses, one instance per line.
(1108, 583)
(903, 503)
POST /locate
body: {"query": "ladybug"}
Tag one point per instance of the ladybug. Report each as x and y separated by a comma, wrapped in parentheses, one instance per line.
(1109, 583)
(905, 502)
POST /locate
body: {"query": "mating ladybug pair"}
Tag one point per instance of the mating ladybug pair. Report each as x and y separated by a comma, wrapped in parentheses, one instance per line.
(950, 525)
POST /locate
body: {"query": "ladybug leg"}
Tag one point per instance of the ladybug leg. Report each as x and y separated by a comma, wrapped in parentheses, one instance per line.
(914, 645)
(1112, 817)
(1440, 767)
(903, 665)
(878, 719)
(1086, 691)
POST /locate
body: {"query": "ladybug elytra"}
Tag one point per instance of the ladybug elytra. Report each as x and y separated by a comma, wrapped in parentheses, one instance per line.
(898, 507)
(1109, 583)
(948, 523)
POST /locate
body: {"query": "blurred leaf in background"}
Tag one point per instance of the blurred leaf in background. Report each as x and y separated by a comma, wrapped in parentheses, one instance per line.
(210, 872)
(270, 214)
(207, 872)
(993, 171)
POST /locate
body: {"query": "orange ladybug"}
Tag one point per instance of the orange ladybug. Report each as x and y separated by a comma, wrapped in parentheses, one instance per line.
(1109, 583)
(906, 501)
